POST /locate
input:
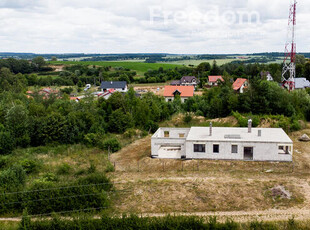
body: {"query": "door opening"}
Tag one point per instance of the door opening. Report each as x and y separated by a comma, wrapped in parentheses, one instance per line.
(248, 153)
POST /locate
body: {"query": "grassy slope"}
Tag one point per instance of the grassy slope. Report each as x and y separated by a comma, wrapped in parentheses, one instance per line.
(168, 186)
(217, 186)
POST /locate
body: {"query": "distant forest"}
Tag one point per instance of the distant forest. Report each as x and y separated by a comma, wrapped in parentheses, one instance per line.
(151, 57)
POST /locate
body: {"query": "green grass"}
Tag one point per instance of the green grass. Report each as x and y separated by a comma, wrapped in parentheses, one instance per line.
(197, 62)
(139, 67)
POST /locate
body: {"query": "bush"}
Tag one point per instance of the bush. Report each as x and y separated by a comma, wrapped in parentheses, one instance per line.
(12, 178)
(92, 168)
(151, 126)
(112, 145)
(187, 118)
(90, 140)
(3, 161)
(130, 133)
(243, 120)
(6, 143)
(49, 177)
(132, 222)
(30, 166)
(45, 197)
(63, 169)
(109, 168)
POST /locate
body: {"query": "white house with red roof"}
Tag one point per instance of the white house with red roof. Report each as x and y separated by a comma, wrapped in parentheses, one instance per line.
(240, 84)
(214, 80)
(185, 92)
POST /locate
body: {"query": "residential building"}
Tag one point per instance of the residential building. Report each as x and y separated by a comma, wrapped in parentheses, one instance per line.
(120, 86)
(186, 81)
(107, 94)
(301, 83)
(214, 80)
(185, 92)
(240, 84)
(266, 76)
(222, 143)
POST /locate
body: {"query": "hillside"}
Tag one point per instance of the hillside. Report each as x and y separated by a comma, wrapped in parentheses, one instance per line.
(240, 190)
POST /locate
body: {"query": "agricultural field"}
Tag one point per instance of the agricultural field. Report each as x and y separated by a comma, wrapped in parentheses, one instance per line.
(139, 67)
(197, 62)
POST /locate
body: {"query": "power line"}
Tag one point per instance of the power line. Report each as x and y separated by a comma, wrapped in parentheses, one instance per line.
(54, 198)
(59, 188)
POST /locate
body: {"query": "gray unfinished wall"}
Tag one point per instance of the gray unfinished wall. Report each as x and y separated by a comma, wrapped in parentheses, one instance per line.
(261, 151)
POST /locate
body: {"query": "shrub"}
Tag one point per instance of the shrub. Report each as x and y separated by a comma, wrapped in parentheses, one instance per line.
(63, 169)
(130, 133)
(12, 178)
(30, 166)
(187, 118)
(3, 161)
(151, 126)
(133, 222)
(45, 197)
(49, 177)
(6, 143)
(109, 168)
(92, 168)
(112, 145)
(90, 140)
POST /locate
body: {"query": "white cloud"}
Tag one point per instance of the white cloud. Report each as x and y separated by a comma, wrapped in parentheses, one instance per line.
(118, 26)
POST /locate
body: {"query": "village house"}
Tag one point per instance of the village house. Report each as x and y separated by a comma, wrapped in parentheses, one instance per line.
(214, 80)
(186, 81)
(48, 91)
(266, 76)
(301, 83)
(223, 143)
(185, 92)
(240, 84)
(120, 86)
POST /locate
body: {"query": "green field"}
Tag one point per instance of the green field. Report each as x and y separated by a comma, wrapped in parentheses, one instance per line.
(139, 67)
(197, 62)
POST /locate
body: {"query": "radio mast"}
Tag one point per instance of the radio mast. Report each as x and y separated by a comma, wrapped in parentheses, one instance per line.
(289, 67)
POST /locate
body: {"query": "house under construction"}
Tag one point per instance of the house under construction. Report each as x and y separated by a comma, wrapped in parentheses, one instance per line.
(222, 143)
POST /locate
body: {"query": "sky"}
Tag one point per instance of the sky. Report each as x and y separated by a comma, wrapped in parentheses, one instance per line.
(150, 26)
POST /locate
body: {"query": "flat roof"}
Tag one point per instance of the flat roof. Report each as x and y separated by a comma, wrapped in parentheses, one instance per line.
(231, 134)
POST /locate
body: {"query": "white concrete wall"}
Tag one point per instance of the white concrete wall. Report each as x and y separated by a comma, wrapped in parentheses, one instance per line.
(173, 132)
(183, 99)
(159, 140)
(261, 151)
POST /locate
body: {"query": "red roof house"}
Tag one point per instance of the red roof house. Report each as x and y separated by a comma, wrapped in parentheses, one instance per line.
(184, 92)
(240, 84)
(213, 80)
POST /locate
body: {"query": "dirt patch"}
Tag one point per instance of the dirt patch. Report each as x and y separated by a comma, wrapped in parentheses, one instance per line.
(157, 90)
(196, 195)
(57, 68)
(228, 120)
(280, 191)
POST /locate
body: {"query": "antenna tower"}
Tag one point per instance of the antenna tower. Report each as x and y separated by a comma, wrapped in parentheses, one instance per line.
(289, 67)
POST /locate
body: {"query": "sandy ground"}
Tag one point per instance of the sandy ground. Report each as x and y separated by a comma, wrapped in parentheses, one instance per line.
(157, 90)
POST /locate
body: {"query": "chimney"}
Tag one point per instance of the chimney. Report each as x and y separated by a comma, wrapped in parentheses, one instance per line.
(249, 126)
(210, 128)
(259, 133)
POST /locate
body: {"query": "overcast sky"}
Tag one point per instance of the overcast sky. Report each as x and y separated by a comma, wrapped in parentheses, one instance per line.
(150, 26)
